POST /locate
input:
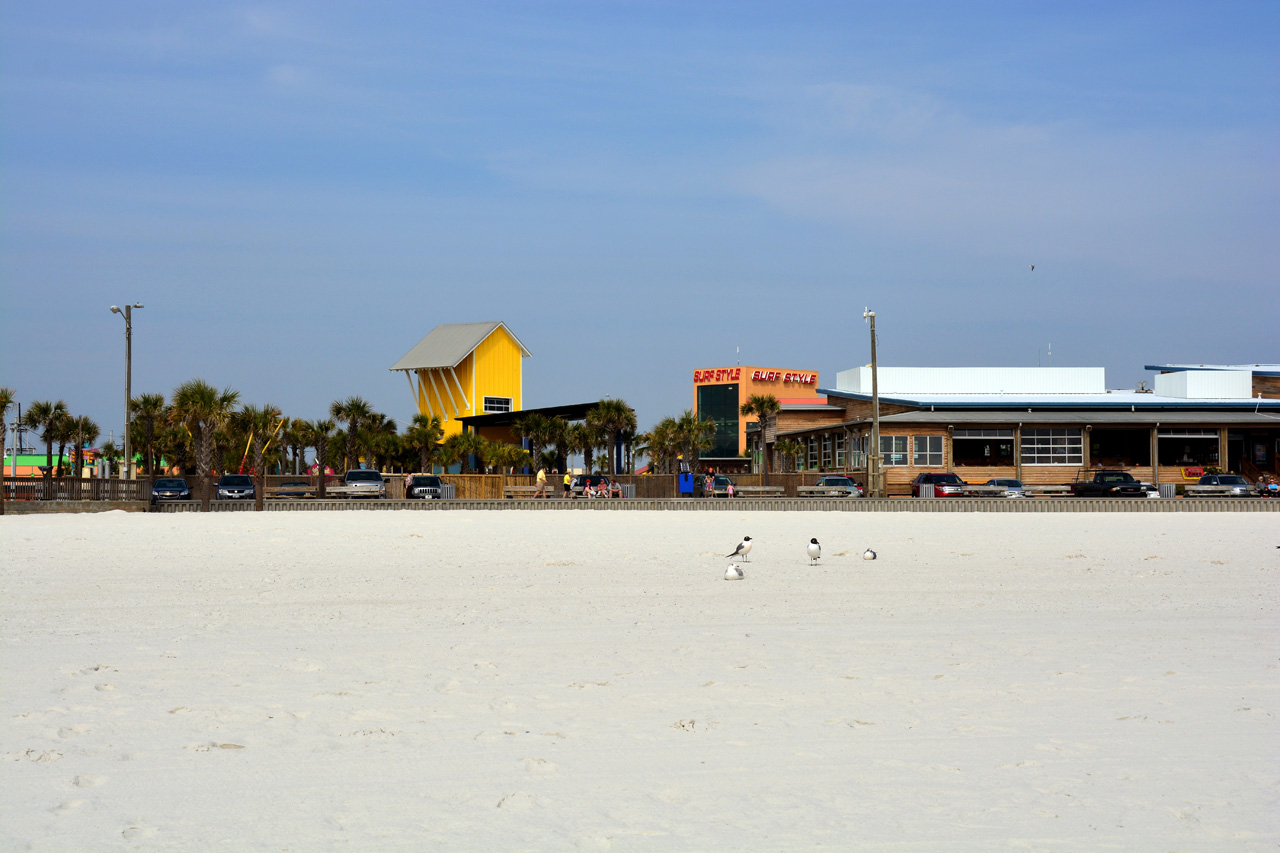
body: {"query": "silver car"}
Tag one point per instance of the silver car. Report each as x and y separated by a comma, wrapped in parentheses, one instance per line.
(1236, 486)
(1012, 488)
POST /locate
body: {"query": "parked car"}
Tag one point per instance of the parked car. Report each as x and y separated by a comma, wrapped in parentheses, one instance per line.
(597, 482)
(720, 486)
(1237, 485)
(1012, 488)
(360, 483)
(236, 487)
(423, 487)
(944, 485)
(297, 489)
(1111, 484)
(170, 489)
(840, 487)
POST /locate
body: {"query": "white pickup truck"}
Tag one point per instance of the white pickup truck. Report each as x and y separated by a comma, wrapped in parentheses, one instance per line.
(359, 483)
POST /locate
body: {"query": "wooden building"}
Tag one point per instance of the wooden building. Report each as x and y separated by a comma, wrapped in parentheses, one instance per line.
(1044, 426)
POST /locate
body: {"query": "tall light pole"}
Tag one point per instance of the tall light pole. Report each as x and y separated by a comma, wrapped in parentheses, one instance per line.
(875, 486)
(127, 313)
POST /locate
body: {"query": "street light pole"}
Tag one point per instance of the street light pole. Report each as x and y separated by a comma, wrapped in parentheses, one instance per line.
(128, 381)
(874, 458)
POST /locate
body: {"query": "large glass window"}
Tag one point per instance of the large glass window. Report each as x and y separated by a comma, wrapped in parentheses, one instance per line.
(982, 447)
(813, 452)
(840, 452)
(719, 404)
(894, 449)
(826, 450)
(857, 451)
(497, 404)
(926, 451)
(1052, 447)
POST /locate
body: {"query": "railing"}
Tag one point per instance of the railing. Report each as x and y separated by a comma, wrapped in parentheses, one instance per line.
(75, 489)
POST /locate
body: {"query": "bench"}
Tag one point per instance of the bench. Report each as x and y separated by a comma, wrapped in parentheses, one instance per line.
(512, 492)
(984, 491)
(1210, 491)
(823, 491)
(758, 491)
(1049, 491)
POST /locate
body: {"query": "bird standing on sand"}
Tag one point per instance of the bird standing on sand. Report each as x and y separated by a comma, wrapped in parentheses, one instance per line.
(868, 554)
(743, 549)
(815, 551)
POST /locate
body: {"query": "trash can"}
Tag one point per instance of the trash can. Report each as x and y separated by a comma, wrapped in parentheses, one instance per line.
(684, 485)
(1168, 490)
(926, 490)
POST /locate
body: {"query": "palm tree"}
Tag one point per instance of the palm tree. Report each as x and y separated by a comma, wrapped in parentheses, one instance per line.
(424, 434)
(148, 410)
(694, 436)
(539, 430)
(763, 406)
(561, 440)
(112, 454)
(582, 439)
(611, 417)
(45, 416)
(65, 433)
(462, 446)
(86, 432)
(376, 439)
(261, 423)
(317, 435)
(661, 445)
(203, 410)
(354, 411)
(788, 449)
(7, 396)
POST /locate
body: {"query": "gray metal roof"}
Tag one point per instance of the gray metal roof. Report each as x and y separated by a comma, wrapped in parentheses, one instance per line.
(448, 345)
(1066, 417)
(1255, 369)
(1109, 400)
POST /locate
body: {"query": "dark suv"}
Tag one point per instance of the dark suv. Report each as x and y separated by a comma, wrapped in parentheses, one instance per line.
(944, 485)
(424, 486)
(235, 487)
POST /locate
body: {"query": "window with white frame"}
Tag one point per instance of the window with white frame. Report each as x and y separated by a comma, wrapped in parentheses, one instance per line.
(1052, 447)
(840, 451)
(926, 451)
(813, 452)
(894, 449)
(497, 404)
(857, 451)
(826, 450)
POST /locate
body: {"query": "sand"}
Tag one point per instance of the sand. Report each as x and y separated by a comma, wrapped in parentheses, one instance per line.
(558, 681)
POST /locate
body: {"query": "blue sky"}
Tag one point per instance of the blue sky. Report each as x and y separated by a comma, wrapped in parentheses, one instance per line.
(298, 192)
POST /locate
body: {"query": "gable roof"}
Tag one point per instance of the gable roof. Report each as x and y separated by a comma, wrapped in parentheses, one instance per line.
(448, 345)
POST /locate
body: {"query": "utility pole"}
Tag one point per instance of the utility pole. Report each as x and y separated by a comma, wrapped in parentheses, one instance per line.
(128, 381)
(874, 469)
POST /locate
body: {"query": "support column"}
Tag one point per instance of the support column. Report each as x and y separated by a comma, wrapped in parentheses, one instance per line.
(1017, 451)
(1222, 448)
(1086, 449)
(946, 451)
(1155, 454)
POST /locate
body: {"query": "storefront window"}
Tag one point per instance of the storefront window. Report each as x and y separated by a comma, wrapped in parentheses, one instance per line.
(826, 450)
(894, 449)
(719, 404)
(927, 451)
(840, 452)
(813, 452)
(1052, 447)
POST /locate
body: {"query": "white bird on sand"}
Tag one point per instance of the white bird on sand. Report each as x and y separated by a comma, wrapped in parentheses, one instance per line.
(868, 554)
(743, 549)
(815, 551)
(734, 572)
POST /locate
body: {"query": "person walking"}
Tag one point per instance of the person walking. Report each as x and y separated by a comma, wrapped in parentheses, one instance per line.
(541, 491)
(568, 483)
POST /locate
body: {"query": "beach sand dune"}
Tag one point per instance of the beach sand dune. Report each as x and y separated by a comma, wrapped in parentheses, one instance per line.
(553, 681)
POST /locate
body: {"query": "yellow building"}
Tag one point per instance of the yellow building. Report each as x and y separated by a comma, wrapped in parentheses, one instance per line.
(465, 369)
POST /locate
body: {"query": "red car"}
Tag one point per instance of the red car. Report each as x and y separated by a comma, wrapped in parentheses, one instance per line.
(944, 485)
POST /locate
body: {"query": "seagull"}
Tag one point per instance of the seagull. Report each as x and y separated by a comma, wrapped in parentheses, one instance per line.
(1033, 267)
(868, 554)
(815, 551)
(743, 549)
(733, 573)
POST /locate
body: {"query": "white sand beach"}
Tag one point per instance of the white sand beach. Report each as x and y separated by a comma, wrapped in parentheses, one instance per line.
(587, 680)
